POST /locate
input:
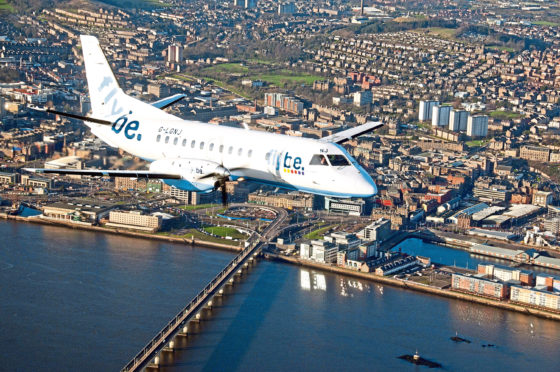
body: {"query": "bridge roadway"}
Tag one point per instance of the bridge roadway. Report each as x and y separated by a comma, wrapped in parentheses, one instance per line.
(197, 304)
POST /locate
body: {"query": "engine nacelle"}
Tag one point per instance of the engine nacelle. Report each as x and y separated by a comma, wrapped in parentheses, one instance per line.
(196, 175)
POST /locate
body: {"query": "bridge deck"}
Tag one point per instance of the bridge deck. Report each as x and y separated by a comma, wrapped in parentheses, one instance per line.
(159, 342)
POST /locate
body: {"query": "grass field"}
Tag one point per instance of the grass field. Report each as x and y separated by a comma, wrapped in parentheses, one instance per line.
(202, 236)
(443, 33)
(225, 231)
(228, 67)
(501, 48)
(476, 143)
(196, 207)
(505, 115)
(286, 77)
(546, 23)
(316, 234)
(5, 6)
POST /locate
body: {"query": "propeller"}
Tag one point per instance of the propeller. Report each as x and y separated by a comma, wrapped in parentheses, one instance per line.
(222, 175)
(221, 184)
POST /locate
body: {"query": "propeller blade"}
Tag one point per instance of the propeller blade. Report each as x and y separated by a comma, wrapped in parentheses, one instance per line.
(224, 194)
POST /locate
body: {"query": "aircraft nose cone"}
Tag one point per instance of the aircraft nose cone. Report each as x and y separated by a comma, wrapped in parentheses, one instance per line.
(367, 187)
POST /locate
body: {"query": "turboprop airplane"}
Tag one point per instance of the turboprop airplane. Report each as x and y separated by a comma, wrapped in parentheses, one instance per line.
(201, 157)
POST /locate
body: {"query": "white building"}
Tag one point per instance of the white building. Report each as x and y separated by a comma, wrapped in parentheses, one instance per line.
(458, 120)
(175, 53)
(425, 110)
(440, 116)
(362, 98)
(477, 126)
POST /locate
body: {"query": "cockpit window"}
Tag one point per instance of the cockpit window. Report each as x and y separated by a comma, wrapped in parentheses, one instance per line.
(318, 160)
(338, 160)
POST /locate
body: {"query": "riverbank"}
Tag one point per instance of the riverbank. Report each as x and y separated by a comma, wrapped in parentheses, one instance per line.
(417, 287)
(122, 232)
(296, 261)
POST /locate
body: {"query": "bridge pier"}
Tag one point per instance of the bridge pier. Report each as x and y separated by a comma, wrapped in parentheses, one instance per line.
(184, 331)
(151, 355)
(169, 346)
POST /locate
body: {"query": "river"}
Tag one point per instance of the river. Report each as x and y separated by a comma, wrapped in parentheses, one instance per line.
(79, 300)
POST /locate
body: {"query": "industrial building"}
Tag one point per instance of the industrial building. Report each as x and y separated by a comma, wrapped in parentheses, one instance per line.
(395, 266)
(76, 211)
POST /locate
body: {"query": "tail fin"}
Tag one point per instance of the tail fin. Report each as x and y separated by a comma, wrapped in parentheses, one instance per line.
(104, 90)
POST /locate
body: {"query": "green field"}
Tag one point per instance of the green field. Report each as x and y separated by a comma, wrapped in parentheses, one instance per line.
(5, 6)
(316, 234)
(137, 3)
(228, 67)
(199, 206)
(225, 231)
(443, 33)
(505, 115)
(476, 143)
(202, 236)
(286, 77)
(501, 48)
(546, 23)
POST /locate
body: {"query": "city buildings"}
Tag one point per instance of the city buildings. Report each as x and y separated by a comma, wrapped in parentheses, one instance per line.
(477, 126)
(440, 116)
(458, 120)
(480, 285)
(425, 110)
(134, 220)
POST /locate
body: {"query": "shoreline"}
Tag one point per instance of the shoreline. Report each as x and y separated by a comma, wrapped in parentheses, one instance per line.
(516, 307)
(418, 287)
(123, 232)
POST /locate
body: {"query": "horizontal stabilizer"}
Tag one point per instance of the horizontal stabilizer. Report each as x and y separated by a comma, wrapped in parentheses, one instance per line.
(80, 117)
(107, 173)
(354, 132)
(168, 101)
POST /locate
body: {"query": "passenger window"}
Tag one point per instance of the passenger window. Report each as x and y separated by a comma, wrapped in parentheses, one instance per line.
(250, 153)
(193, 143)
(221, 148)
(230, 150)
(184, 142)
(338, 160)
(318, 160)
(167, 139)
(202, 145)
(211, 147)
(240, 152)
(267, 156)
(158, 138)
(175, 141)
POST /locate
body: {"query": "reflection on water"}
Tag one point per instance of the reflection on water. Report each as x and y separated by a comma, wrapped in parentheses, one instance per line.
(349, 286)
(318, 280)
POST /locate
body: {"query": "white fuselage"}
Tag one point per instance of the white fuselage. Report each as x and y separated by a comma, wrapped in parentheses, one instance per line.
(173, 144)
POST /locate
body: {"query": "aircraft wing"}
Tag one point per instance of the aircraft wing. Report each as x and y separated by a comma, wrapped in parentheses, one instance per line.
(107, 173)
(168, 101)
(351, 133)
